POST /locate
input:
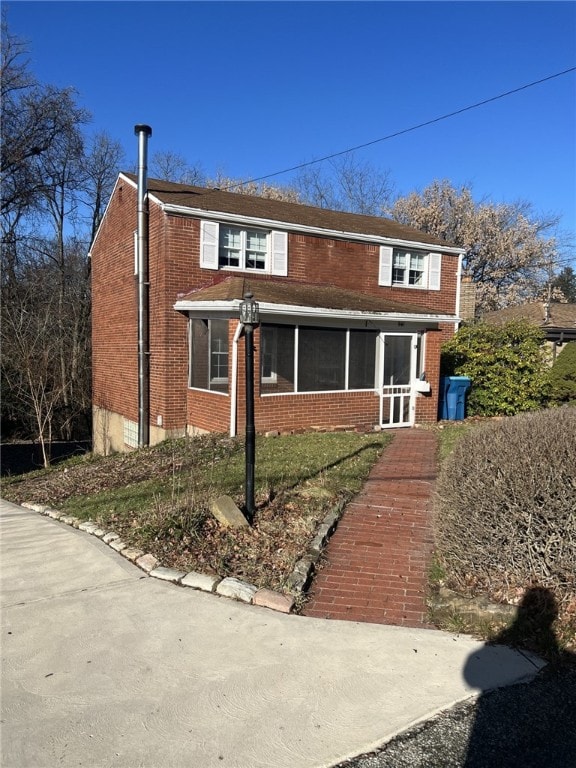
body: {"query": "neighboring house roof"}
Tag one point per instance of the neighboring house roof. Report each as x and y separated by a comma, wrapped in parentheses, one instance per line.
(185, 198)
(274, 295)
(558, 320)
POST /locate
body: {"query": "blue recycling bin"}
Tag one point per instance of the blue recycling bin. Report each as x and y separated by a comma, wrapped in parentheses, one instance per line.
(452, 393)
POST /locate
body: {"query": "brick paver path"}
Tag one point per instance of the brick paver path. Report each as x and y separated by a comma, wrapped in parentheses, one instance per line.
(378, 557)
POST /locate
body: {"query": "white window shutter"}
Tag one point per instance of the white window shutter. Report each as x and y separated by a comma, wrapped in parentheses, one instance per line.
(209, 231)
(434, 265)
(385, 272)
(279, 253)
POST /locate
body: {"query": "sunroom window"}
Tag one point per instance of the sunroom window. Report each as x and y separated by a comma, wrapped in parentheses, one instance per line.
(315, 359)
(208, 365)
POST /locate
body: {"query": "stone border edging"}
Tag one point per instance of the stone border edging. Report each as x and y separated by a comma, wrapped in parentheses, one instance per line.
(445, 604)
(230, 587)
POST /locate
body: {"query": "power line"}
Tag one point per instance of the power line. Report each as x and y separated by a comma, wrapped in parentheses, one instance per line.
(405, 130)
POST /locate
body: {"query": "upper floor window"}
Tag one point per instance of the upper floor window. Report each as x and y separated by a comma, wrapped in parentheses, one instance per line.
(411, 269)
(223, 246)
(243, 248)
(408, 268)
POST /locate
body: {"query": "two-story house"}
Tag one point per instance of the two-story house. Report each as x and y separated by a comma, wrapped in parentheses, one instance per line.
(353, 311)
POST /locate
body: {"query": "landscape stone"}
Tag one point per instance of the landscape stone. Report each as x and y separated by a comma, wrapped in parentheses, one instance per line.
(274, 600)
(239, 590)
(132, 554)
(167, 574)
(147, 562)
(227, 513)
(69, 520)
(34, 507)
(111, 536)
(89, 526)
(201, 581)
(118, 545)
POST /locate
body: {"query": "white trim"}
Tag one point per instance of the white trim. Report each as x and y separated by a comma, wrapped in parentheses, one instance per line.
(209, 391)
(458, 291)
(232, 309)
(255, 221)
(120, 178)
(233, 391)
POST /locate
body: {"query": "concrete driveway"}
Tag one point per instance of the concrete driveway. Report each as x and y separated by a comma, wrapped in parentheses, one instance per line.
(105, 666)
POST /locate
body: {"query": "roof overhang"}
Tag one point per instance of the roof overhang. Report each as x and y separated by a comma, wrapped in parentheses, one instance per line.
(254, 221)
(231, 309)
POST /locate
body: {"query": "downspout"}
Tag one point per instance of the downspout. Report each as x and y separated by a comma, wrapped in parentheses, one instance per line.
(458, 289)
(234, 382)
(143, 132)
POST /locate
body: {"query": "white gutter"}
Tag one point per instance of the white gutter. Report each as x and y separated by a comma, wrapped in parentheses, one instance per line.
(234, 382)
(289, 310)
(183, 210)
(458, 290)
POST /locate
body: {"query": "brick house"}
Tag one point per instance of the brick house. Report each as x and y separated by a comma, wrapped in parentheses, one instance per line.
(353, 311)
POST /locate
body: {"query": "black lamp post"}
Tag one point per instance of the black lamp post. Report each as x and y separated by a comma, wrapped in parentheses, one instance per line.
(249, 318)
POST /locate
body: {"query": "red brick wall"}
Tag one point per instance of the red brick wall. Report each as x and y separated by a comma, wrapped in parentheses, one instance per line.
(355, 266)
(114, 313)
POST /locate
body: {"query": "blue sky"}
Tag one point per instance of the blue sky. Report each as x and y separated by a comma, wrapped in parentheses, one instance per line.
(251, 88)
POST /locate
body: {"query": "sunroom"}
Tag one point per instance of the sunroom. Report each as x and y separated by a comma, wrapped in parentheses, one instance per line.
(325, 357)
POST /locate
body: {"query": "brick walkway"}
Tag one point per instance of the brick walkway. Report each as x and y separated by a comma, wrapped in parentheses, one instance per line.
(376, 561)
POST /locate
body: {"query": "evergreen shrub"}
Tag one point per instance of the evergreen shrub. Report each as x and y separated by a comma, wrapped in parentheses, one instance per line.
(563, 376)
(507, 366)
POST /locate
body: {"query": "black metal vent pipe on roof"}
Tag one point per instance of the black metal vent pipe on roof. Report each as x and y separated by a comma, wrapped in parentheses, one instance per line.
(143, 132)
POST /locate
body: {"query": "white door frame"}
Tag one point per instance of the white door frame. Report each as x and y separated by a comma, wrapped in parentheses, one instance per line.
(400, 396)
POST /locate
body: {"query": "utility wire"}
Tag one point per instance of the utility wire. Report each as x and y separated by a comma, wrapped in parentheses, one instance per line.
(405, 130)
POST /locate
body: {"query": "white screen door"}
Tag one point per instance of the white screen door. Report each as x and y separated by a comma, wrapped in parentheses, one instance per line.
(398, 355)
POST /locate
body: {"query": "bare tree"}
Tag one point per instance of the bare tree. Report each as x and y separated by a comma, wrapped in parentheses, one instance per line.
(256, 188)
(347, 184)
(101, 165)
(170, 166)
(50, 186)
(30, 346)
(34, 118)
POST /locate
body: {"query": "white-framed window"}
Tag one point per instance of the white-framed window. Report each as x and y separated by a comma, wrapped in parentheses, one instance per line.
(208, 359)
(404, 268)
(269, 353)
(227, 246)
(408, 268)
(243, 248)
